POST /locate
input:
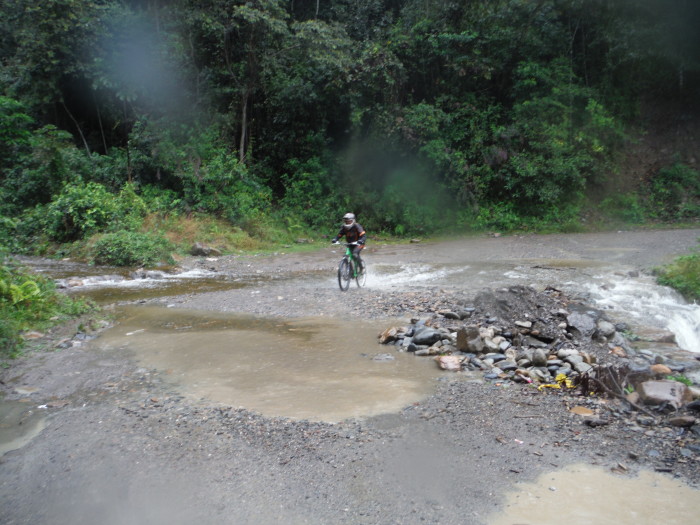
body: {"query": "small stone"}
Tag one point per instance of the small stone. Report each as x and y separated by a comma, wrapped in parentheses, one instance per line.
(659, 370)
(595, 421)
(682, 421)
(606, 329)
(539, 358)
(388, 335)
(449, 362)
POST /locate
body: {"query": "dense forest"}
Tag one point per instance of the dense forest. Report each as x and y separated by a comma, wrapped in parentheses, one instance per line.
(119, 118)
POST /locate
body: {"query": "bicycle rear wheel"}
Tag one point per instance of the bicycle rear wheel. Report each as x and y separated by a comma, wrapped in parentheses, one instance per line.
(361, 278)
(344, 274)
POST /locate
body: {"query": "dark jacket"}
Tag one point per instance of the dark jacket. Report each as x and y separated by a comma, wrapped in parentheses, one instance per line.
(356, 233)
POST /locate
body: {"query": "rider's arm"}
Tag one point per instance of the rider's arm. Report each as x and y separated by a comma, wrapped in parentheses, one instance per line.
(363, 235)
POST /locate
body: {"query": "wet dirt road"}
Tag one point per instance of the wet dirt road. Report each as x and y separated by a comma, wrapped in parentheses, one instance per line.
(122, 444)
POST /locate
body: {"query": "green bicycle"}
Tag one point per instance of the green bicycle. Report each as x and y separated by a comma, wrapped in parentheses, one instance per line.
(350, 268)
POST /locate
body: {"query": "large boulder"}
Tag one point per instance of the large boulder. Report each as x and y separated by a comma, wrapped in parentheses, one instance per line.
(664, 392)
(582, 322)
(199, 249)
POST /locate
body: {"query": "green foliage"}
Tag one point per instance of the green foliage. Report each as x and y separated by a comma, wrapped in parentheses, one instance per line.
(681, 379)
(8, 233)
(79, 211)
(160, 200)
(565, 138)
(29, 302)
(683, 275)
(418, 114)
(675, 193)
(499, 216)
(224, 187)
(47, 46)
(48, 161)
(625, 207)
(126, 248)
(309, 195)
(14, 130)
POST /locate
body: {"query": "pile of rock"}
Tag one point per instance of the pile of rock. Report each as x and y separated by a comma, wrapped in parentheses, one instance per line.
(521, 335)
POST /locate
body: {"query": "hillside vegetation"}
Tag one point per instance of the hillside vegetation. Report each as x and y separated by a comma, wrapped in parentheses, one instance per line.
(129, 129)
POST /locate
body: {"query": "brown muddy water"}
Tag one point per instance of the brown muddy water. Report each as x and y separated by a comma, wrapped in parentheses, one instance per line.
(582, 494)
(318, 369)
(20, 422)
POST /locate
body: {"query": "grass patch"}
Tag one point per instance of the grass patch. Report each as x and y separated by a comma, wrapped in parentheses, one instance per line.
(183, 232)
(683, 275)
(681, 379)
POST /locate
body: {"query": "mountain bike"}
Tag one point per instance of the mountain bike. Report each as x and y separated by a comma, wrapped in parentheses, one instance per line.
(350, 268)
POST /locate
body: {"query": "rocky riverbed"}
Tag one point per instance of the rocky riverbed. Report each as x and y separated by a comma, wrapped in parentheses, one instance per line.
(121, 445)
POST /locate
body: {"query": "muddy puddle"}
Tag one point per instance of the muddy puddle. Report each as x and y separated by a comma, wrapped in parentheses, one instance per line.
(313, 368)
(19, 423)
(582, 494)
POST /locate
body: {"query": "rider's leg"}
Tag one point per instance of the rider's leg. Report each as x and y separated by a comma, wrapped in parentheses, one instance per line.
(356, 252)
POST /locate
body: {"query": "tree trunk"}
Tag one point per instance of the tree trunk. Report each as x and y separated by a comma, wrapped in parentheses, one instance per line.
(77, 125)
(244, 129)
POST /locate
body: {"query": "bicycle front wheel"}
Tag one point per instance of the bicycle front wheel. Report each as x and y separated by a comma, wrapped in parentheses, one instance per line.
(344, 274)
(361, 274)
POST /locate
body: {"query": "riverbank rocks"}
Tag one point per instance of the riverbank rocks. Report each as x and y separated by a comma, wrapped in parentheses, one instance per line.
(202, 250)
(545, 339)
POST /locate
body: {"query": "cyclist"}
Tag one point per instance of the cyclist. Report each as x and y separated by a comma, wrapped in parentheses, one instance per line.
(353, 232)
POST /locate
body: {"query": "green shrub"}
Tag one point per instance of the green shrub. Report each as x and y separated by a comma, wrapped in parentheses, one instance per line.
(625, 207)
(131, 209)
(8, 228)
(309, 196)
(683, 275)
(80, 210)
(224, 187)
(126, 248)
(159, 200)
(14, 130)
(500, 216)
(675, 193)
(34, 177)
(30, 302)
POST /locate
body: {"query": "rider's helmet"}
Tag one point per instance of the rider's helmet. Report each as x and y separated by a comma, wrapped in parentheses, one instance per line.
(348, 220)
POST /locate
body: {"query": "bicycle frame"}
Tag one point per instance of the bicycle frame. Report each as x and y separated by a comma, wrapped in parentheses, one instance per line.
(351, 268)
(351, 257)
